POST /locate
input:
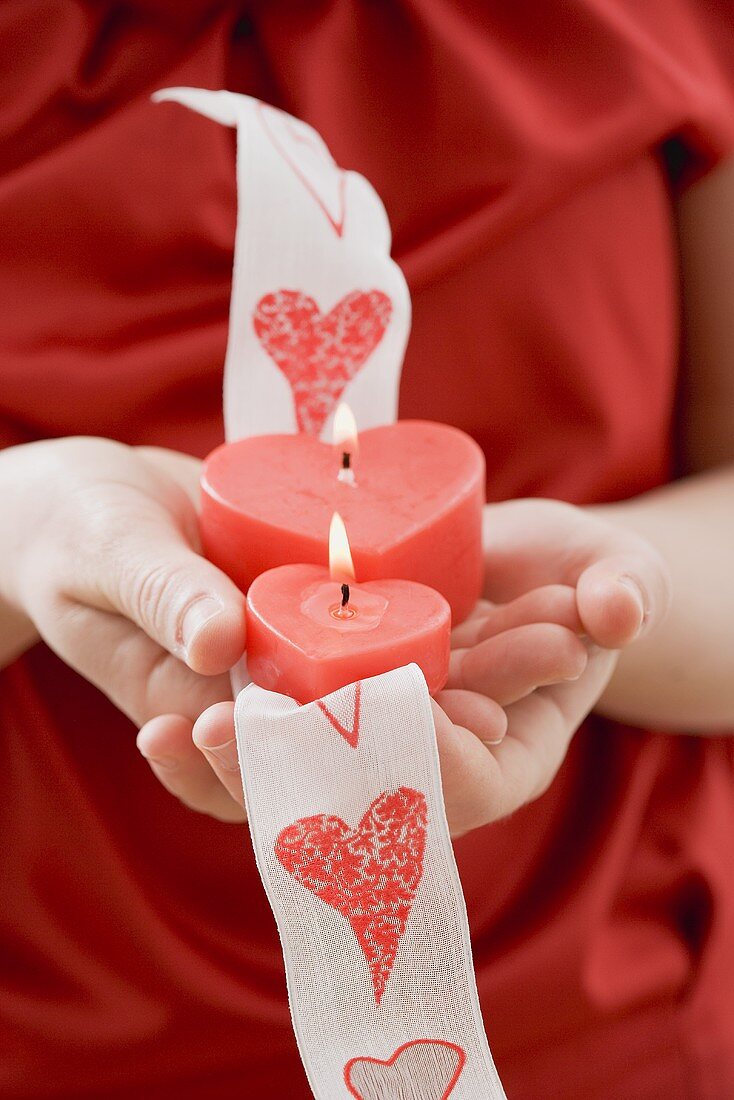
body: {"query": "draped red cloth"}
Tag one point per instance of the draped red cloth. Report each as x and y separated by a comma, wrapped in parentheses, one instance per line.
(526, 155)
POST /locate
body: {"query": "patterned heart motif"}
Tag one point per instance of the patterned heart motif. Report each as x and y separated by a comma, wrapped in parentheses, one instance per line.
(308, 157)
(369, 874)
(426, 1067)
(320, 353)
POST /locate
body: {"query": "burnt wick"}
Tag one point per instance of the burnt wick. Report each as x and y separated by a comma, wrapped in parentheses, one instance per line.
(346, 473)
(345, 595)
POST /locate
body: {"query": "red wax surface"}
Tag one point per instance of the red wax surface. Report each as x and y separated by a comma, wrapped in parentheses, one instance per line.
(298, 645)
(413, 513)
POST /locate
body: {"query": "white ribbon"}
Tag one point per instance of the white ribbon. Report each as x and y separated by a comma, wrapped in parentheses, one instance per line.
(305, 228)
(343, 795)
(344, 801)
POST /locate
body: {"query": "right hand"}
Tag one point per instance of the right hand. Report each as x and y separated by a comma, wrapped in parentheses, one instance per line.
(100, 551)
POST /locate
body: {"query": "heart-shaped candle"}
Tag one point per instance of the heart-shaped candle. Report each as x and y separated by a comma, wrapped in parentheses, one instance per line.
(302, 641)
(413, 511)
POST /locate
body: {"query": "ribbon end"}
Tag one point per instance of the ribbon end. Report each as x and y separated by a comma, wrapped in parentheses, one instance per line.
(221, 106)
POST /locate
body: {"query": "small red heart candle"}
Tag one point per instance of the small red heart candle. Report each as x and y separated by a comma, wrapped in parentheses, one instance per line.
(413, 507)
(308, 634)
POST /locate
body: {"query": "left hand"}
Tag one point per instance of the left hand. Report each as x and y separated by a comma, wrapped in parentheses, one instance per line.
(621, 592)
(521, 681)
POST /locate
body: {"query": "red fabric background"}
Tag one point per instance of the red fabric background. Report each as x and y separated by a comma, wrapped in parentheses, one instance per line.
(518, 154)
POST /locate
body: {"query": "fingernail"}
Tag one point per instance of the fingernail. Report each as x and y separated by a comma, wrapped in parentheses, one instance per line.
(632, 586)
(456, 668)
(225, 755)
(500, 739)
(196, 617)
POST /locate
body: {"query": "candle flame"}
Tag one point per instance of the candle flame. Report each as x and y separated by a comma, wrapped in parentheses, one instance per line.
(341, 566)
(345, 435)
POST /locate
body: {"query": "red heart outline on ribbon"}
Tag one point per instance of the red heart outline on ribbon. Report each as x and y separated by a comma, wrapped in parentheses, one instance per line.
(287, 145)
(319, 353)
(396, 1056)
(369, 874)
(351, 736)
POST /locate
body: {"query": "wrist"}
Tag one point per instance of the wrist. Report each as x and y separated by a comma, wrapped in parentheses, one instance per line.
(17, 631)
(25, 474)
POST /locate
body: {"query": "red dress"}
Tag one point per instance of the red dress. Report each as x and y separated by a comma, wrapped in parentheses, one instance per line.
(524, 153)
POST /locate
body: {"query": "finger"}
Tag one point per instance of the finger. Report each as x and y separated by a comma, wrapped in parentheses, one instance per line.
(539, 731)
(166, 743)
(485, 718)
(485, 783)
(554, 603)
(622, 597)
(469, 773)
(481, 608)
(514, 663)
(532, 543)
(136, 558)
(214, 736)
(140, 678)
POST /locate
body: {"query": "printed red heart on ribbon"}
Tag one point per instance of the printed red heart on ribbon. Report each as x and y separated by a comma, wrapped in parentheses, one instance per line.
(319, 353)
(369, 874)
(430, 1067)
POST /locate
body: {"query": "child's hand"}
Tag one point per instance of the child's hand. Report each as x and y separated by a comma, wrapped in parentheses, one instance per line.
(522, 677)
(530, 642)
(100, 551)
(620, 591)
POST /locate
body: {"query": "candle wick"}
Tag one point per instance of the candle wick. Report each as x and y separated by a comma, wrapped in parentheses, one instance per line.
(345, 595)
(346, 473)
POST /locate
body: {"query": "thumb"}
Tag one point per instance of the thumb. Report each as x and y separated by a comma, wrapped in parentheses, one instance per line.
(183, 602)
(623, 596)
(137, 561)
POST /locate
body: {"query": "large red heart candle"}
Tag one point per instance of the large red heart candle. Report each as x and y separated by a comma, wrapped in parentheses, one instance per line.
(413, 511)
(308, 634)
